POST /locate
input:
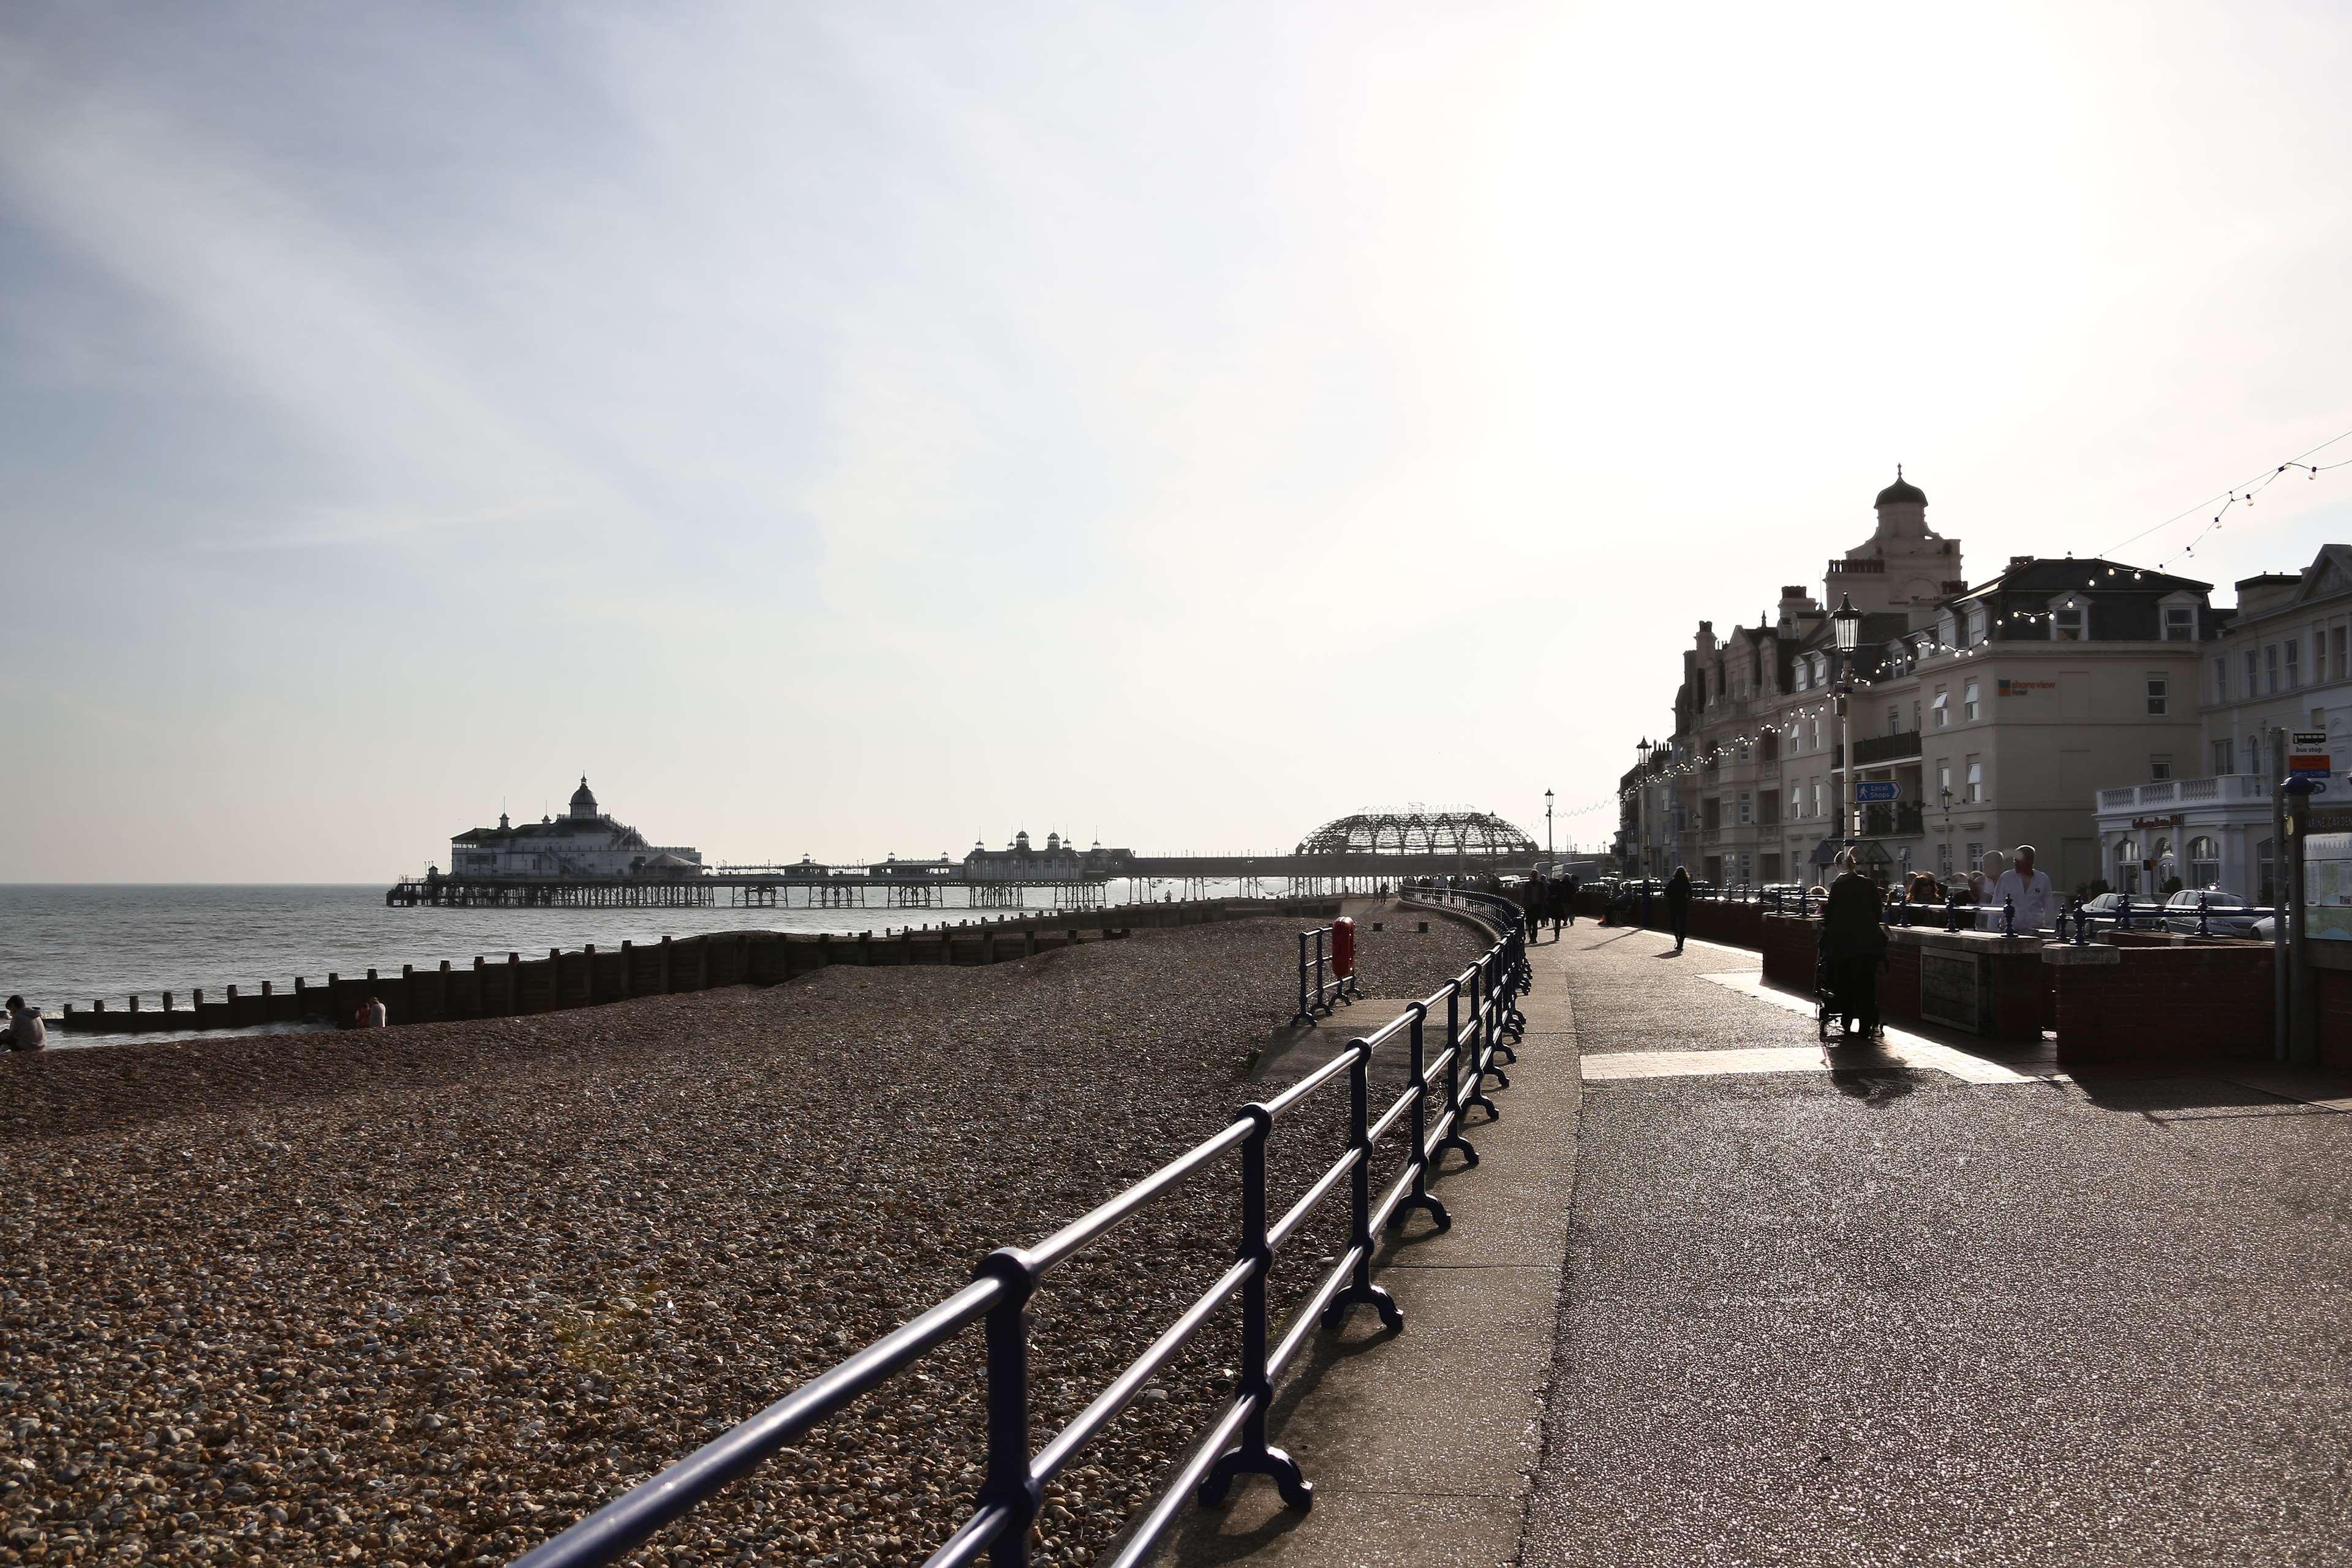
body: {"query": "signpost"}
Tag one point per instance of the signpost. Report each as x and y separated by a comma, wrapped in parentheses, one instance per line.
(1876, 789)
(2306, 758)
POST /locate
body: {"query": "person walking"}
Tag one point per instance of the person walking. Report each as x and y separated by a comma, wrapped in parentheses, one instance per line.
(26, 1031)
(1855, 944)
(1678, 898)
(1564, 910)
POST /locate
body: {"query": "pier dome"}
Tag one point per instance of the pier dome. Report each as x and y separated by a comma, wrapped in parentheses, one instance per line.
(1477, 833)
(583, 804)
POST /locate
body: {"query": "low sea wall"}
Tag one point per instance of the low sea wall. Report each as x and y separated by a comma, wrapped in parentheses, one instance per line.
(591, 976)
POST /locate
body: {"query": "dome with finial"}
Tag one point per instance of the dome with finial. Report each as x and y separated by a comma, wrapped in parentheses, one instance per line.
(583, 803)
(1902, 492)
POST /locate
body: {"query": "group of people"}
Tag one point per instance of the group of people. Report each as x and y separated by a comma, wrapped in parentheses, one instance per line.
(1551, 899)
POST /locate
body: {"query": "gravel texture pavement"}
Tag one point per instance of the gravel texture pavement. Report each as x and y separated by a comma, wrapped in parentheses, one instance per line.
(428, 1295)
(1883, 1317)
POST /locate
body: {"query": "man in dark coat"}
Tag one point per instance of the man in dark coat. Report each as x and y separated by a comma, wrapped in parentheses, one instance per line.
(1855, 944)
(1678, 897)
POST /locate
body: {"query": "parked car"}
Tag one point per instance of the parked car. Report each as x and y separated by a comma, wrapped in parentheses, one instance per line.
(2226, 914)
(2105, 912)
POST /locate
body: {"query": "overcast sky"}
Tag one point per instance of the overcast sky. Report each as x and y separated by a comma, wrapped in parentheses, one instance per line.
(856, 429)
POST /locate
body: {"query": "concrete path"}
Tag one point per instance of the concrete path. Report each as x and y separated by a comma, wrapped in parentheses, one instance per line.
(1927, 1307)
(1421, 1445)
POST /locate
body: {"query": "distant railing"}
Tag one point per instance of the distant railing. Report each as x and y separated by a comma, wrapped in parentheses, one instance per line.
(1319, 989)
(1479, 1006)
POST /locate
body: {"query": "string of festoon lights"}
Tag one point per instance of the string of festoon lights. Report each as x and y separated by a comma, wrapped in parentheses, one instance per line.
(1924, 646)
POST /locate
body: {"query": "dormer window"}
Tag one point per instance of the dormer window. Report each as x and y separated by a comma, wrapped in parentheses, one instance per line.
(1947, 628)
(1976, 626)
(2179, 623)
(2068, 621)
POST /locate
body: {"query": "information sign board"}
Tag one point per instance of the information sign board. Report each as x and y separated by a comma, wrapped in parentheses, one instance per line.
(1952, 990)
(1876, 789)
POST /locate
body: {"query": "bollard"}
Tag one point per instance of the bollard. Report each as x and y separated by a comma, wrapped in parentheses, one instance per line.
(2009, 916)
(2082, 925)
(1951, 909)
(2122, 916)
(2201, 930)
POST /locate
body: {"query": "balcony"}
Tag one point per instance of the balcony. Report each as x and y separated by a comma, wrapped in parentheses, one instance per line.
(2223, 788)
(1904, 819)
(1881, 749)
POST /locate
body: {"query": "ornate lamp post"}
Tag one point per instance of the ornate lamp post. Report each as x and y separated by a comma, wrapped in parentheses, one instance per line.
(1548, 850)
(1944, 796)
(1846, 624)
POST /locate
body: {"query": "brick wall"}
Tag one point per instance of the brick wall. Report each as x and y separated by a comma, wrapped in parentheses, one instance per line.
(2161, 1003)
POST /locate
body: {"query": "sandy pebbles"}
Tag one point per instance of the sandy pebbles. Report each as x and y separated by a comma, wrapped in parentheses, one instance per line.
(426, 1296)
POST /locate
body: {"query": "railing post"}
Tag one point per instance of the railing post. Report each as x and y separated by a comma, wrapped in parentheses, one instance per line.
(1420, 1198)
(2082, 925)
(1251, 1455)
(1360, 1291)
(2008, 916)
(1482, 1030)
(1453, 1139)
(1304, 1016)
(1007, 1481)
(1498, 1004)
(1320, 961)
(1951, 909)
(2201, 914)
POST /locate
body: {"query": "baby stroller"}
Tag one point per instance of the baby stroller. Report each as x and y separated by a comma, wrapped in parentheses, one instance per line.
(1832, 1006)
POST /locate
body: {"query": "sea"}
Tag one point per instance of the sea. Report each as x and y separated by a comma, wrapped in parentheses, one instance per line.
(80, 943)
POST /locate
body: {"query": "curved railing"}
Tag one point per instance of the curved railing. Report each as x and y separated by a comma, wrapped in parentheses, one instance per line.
(1481, 1020)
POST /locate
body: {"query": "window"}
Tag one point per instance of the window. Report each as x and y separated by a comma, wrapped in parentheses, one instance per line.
(2220, 679)
(2264, 853)
(1947, 628)
(2179, 623)
(2254, 756)
(1914, 715)
(1767, 807)
(2220, 756)
(2270, 671)
(2126, 879)
(1802, 681)
(1943, 706)
(1817, 807)
(2159, 696)
(2293, 663)
(1943, 777)
(2254, 673)
(1976, 856)
(2343, 670)
(1976, 781)
(1895, 717)
(2159, 767)
(1944, 861)
(2204, 863)
(1976, 627)
(1969, 701)
(1746, 807)
(2066, 621)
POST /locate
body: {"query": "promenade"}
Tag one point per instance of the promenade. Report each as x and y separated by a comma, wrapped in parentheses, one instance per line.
(1804, 1307)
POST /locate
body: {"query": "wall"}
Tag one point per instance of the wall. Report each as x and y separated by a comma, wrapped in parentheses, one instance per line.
(591, 976)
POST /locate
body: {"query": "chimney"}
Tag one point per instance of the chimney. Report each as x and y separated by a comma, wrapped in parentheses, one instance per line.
(2017, 561)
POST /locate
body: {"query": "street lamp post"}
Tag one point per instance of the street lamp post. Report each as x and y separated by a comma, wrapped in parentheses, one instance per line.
(1548, 850)
(1846, 624)
(1944, 796)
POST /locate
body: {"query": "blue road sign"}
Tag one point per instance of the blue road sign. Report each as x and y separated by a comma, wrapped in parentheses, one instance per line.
(1876, 789)
(2318, 780)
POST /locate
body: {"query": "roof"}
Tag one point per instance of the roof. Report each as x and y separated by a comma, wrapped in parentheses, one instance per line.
(1901, 491)
(2095, 573)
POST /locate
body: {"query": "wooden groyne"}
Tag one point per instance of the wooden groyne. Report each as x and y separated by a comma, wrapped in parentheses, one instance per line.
(591, 976)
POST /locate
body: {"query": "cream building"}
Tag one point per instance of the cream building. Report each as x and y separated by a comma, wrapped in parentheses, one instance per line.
(2282, 661)
(1990, 709)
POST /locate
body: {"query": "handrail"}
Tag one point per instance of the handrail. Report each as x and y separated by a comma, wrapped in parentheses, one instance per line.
(1475, 1049)
(1317, 998)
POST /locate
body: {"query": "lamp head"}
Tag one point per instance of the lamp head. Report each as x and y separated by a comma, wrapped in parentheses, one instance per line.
(1846, 624)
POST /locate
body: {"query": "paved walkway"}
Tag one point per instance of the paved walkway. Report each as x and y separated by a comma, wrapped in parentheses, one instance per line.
(1718, 1296)
(1932, 1306)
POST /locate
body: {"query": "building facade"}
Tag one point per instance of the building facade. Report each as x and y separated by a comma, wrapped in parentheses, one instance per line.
(1060, 860)
(582, 843)
(2280, 662)
(1985, 709)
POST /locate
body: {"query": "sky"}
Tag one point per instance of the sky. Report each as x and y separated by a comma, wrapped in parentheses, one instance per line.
(861, 429)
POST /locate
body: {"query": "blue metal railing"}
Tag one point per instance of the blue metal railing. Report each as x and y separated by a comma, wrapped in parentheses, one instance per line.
(1480, 1010)
(1319, 991)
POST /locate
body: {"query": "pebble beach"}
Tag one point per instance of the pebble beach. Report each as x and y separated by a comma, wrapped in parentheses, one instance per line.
(428, 1295)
